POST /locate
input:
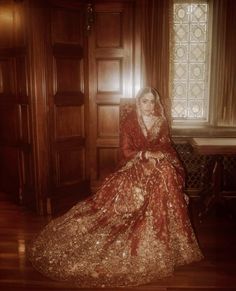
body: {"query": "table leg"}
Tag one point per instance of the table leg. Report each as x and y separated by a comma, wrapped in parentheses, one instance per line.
(214, 197)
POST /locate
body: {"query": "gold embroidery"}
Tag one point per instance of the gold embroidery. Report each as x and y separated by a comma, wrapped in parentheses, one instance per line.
(133, 231)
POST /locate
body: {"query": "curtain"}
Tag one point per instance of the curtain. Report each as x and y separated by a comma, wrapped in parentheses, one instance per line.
(155, 18)
(223, 78)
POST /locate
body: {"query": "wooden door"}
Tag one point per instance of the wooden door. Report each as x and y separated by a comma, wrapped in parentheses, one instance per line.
(64, 65)
(16, 170)
(110, 64)
(68, 104)
(9, 133)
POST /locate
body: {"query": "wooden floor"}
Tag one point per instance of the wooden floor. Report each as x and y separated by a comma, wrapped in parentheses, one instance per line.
(217, 237)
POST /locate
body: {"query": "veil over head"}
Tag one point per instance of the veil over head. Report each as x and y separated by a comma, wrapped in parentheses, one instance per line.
(158, 110)
(158, 114)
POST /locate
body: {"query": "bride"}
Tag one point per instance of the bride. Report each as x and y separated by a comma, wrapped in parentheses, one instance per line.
(136, 228)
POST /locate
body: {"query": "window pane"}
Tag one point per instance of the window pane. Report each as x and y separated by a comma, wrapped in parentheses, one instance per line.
(190, 61)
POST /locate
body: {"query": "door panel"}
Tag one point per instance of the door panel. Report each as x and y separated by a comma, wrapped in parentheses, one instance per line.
(60, 88)
(107, 161)
(9, 172)
(109, 75)
(69, 121)
(108, 121)
(109, 29)
(70, 165)
(110, 63)
(15, 138)
(68, 106)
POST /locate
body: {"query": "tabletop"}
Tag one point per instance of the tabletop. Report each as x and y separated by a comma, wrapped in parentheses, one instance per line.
(214, 145)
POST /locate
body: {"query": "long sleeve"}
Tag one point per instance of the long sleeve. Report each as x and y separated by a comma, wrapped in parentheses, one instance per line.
(129, 139)
(127, 146)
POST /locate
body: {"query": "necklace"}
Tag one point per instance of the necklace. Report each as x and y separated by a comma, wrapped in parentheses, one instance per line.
(149, 121)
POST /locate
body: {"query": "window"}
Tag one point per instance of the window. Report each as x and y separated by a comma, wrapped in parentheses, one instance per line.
(190, 61)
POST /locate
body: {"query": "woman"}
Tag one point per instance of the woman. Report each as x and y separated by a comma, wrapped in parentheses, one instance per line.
(135, 229)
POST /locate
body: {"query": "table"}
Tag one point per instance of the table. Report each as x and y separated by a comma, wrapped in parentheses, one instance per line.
(217, 148)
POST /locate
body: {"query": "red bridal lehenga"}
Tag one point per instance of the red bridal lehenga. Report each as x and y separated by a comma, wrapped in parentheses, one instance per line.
(134, 230)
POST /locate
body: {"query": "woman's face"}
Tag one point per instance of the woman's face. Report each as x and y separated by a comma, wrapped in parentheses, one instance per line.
(147, 104)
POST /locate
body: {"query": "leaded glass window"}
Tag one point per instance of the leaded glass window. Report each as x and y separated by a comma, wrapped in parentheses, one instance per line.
(190, 61)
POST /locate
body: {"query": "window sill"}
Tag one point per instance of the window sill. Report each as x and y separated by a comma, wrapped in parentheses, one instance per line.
(201, 131)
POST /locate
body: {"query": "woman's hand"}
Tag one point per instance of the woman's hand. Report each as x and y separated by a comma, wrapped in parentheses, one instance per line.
(153, 158)
(154, 155)
(149, 166)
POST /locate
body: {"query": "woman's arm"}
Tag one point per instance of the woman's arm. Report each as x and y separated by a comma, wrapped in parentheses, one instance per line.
(127, 146)
(165, 150)
(128, 139)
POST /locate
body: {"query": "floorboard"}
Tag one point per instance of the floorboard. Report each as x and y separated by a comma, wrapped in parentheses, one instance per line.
(216, 234)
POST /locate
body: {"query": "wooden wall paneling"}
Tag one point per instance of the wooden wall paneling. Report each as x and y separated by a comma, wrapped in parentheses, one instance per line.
(46, 76)
(69, 121)
(70, 166)
(107, 132)
(7, 75)
(13, 93)
(9, 174)
(26, 165)
(68, 105)
(27, 194)
(37, 45)
(107, 159)
(8, 124)
(108, 121)
(110, 64)
(24, 124)
(19, 20)
(12, 24)
(6, 24)
(68, 114)
(66, 25)
(22, 78)
(109, 75)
